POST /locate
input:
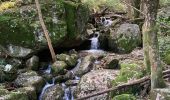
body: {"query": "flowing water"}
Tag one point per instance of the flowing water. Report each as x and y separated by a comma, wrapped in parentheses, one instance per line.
(95, 41)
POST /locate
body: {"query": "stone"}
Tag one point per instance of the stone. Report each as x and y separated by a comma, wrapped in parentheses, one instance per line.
(20, 25)
(30, 78)
(70, 60)
(84, 67)
(29, 91)
(125, 39)
(72, 82)
(161, 94)
(95, 81)
(33, 63)
(114, 64)
(53, 93)
(58, 67)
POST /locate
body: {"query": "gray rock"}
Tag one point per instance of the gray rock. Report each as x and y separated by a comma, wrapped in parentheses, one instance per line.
(30, 78)
(161, 94)
(95, 81)
(127, 38)
(84, 66)
(18, 51)
(33, 63)
(53, 93)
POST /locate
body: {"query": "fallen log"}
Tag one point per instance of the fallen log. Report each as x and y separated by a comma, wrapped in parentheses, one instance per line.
(132, 83)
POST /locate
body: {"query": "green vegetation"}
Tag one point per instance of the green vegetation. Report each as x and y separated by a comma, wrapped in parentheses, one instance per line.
(96, 4)
(124, 97)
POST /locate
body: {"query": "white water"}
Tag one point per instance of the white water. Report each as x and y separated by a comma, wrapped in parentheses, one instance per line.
(47, 85)
(95, 41)
(48, 70)
(68, 93)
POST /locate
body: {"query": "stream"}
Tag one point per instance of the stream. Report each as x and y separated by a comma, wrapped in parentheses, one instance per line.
(68, 90)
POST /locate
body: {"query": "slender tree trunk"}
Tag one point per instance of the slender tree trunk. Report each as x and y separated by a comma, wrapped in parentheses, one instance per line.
(150, 43)
(45, 30)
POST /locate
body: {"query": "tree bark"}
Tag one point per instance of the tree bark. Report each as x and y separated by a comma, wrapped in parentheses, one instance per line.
(45, 30)
(150, 44)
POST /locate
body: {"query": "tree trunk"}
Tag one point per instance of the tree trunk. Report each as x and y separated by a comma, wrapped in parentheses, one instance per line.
(45, 30)
(150, 43)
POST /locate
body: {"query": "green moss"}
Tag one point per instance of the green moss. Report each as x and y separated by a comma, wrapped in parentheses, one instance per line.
(128, 72)
(16, 96)
(124, 97)
(123, 44)
(76, 17)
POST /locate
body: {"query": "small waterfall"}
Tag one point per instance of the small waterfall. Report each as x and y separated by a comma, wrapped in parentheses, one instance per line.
(68, 93)
(95, 41)
(48, 70)
(47, 85)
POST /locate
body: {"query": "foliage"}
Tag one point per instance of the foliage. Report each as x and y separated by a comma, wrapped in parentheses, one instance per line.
(164, 46)
(128, 72)
(6, 5)
(124, 97)
(164, 2)
(96, 4)
(166, 20)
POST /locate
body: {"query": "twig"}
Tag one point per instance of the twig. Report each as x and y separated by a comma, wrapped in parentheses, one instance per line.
(45, 30)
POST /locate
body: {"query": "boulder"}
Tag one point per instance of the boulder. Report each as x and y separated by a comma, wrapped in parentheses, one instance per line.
(58, 67)
(33, 63)
(30, 78)
(20, 25)
(70, 60)
(95, 81)
(29, 91)
(84, 66)
(125, 39)
(53, 93)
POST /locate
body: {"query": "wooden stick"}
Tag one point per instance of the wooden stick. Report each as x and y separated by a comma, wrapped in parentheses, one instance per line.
(45, 31)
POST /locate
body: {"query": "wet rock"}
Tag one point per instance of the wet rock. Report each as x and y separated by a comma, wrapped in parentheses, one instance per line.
(47, 77)
(33, 63)
(58, 67)
(29, 91)
(72, 82)
(95, 81)
(160, 94)
(30, 78)
(95, 53)
(126, 34)
(70, 60)
(53, 93)
(85, 66)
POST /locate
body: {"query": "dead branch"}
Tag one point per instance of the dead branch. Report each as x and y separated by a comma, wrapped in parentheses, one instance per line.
(45, 31)
(132, 83)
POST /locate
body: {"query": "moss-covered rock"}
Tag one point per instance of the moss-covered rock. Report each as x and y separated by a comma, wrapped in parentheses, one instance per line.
(128, 72)
(124, 97)
(167, 59)
(30, 78)
(58, 67)
(126, 38)
(114, 64)
(70, 60)
(20, 26)
(29, 91)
